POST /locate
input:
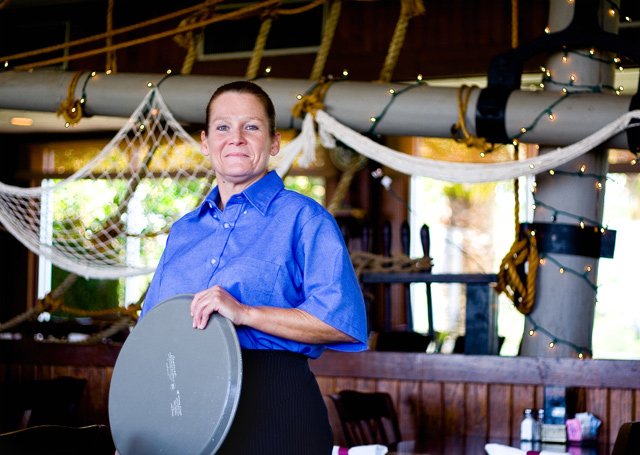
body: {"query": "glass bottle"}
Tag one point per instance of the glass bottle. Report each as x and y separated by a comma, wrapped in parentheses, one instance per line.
(527, 426)
(537, 431)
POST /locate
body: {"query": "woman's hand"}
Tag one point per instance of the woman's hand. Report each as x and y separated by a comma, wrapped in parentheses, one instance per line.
(216, 299)
(290, 323)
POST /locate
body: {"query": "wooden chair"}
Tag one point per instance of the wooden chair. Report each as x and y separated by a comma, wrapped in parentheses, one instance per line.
(41, 402)
(365, 418)
(628, 439)
(58, 440)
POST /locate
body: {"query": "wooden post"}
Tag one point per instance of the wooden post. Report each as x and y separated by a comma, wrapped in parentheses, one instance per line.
(562, 317)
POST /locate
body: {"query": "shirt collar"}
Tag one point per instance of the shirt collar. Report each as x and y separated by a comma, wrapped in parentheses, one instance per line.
(262, 192)
(259, 194)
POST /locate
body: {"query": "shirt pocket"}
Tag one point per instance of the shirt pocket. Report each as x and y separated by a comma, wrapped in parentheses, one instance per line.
(250, 280)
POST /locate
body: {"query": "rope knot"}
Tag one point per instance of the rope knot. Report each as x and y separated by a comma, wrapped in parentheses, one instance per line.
(312, 102)
(521, 292)
(471, 141)
(70, 108)
(50, 303)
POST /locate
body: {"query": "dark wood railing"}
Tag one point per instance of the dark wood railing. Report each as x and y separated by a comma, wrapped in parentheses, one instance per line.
(457, 401)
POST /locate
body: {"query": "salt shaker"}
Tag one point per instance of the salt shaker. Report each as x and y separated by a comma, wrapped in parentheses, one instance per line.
(527, 426)
(537, 429)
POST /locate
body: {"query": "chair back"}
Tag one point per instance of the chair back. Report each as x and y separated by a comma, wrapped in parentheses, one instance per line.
(58, 440)
(628, 439)
(41, 402)
(367, 418)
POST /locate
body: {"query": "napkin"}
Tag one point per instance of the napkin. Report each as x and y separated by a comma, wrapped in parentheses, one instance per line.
(501, 449)
(373, 449)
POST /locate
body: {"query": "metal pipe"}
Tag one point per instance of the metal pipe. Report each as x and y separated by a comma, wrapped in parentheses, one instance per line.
(421, 110)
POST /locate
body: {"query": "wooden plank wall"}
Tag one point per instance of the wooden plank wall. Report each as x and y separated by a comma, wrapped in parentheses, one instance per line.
(456, 404)
(26, 361)
(452, 403)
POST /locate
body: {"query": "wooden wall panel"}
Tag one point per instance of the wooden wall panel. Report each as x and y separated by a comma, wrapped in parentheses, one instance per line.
(432, 411)
(476, 410)
(499, 413)
(454, 409)
(409, 409)
(620, 410)
(597, 404)
(450, 403)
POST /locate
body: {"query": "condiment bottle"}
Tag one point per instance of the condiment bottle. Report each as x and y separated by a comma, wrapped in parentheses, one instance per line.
(537, 431)
(527, 426)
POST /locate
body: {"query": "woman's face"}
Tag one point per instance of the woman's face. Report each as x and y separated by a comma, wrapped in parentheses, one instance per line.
(238, 142)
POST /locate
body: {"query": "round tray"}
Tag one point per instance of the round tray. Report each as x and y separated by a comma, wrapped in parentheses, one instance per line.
(175, 389)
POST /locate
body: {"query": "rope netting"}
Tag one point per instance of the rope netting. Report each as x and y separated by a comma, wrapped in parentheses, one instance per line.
(107, 220)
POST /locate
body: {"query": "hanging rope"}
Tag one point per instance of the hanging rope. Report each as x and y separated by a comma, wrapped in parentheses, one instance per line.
(514, 23)
(509, 279)
(190, 41)
(241, 13)
(464, 92)
(345, 181)
(258, 48)
(408, 10)
(70, 108)
(327, 39)
(101, 36)
(111, 55)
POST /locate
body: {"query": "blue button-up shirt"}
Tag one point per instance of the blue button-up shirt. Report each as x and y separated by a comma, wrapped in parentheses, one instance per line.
(270, 246)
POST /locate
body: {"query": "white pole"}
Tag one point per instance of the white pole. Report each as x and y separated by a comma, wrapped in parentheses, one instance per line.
(422, 110)
(565, 291)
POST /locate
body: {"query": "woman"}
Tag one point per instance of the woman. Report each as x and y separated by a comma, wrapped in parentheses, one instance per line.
(274, 263)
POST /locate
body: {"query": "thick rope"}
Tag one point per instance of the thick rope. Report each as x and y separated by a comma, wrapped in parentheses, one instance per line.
(111, 55)
(345, 181)
(327, 39)
(464, 92)
(364, 262)
(313, 101)
(258, 48)
(192, 53)
(241, 13)
(509, 280)
(101, 36)
(302, 9)
(409, 9)
(51, 302)
(190, 41)
(514, 23)
(54, 302)
(70, 108)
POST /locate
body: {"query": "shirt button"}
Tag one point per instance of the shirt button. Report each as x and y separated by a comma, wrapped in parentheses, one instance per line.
(244, 213)
(226, 225)
(213, 261)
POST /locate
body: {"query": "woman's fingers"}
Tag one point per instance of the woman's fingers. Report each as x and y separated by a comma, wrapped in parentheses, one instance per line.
(211, 300)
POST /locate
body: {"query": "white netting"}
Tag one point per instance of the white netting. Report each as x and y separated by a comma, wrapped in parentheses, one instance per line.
(330, 128)
(84, 224)
(110, 218)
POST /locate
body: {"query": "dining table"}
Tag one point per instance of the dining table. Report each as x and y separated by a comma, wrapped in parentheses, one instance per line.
(476, 446)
